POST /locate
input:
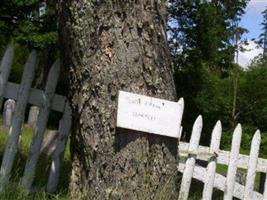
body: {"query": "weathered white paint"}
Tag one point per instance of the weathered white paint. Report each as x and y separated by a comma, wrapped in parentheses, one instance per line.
(14, 132)
(252, 165)
(33, 116)
(190, 162)
(35, 97)
(9, 108)
(41, 123)
(211, 168)
(58, 155)
(5, 70)
(232, 167)
(148, 114)
(180, 133)
(219, 182)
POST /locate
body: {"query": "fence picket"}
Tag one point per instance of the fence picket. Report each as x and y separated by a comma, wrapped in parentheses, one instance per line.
(34, 153)
(64, 130)
(219, 182)
(232, 168)
(180, 114)
(211, 168)
(190, 163)
(5, 70)
(180, 133)
(14, 132)
(265, 189)
(252, 165)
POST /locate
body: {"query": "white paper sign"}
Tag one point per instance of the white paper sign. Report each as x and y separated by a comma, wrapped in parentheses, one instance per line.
(148, 114)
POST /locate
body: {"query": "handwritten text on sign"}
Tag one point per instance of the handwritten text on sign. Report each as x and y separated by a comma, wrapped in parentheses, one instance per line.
(148, 114)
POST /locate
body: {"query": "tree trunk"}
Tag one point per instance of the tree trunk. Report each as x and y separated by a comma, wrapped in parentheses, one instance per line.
(110, 46)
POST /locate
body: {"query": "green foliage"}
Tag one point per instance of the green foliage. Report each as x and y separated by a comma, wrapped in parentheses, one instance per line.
(20, 21)
(253, 95)
(19, 60)
(202, 41)
(262, 41)
(263, 149)
(204, 31)
(206, 94)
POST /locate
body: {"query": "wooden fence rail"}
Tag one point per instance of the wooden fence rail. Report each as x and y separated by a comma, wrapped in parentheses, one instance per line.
(46, 100)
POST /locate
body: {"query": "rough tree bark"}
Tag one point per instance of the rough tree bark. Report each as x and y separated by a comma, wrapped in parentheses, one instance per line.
(109, 46)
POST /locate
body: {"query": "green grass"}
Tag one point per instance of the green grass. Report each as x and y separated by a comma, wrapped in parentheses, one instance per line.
(15, 189)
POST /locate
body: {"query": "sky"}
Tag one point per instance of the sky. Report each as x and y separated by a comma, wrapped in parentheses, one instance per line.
(251, 20)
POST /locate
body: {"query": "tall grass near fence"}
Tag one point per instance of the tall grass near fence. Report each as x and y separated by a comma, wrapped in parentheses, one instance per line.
(15, 189)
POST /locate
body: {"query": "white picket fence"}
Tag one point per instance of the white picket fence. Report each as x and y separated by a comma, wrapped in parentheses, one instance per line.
(192, 151)
(189, 153)
(46, 100)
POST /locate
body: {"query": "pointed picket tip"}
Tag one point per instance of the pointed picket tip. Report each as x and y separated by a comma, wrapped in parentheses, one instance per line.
(56, 66)
(5, 67)
(237, 136)
(181, 109)
(257, 137)
(256, 140)
(10, 49)
(33, 53)
(180, 132)
(216, 136)
(8, 57)
(218, 127)
(196, 133)
(181, 102)
(10, 45)
(55, 69)
(198, 122)
(238, 128)
(32, 61)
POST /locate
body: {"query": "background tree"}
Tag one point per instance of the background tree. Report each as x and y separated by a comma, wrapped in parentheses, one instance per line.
(110, 46)
(263, 36)
(202, 37)
(253, 97)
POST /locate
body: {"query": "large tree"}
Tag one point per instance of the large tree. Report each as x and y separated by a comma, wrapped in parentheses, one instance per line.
(110, 46)
(206, 31)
